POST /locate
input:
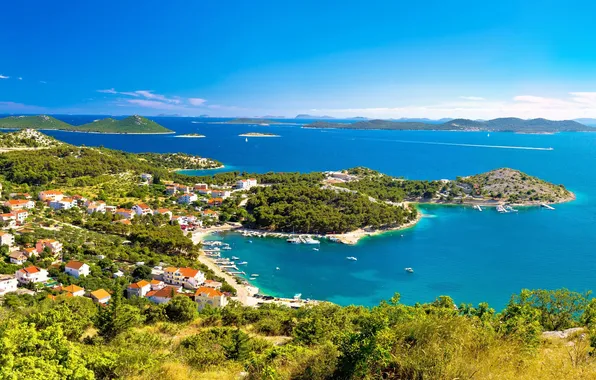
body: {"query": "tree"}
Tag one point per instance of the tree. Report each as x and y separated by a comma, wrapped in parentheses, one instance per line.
(116, 317)
(181, 309)
(238, 349)
(142, 272)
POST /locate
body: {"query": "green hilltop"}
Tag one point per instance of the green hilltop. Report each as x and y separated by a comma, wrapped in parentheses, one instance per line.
(131, 124)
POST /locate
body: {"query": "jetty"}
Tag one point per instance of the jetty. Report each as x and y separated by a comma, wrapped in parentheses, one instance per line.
(548, 207)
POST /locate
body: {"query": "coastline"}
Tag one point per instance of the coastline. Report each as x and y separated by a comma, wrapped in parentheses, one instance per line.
(257, 135)
(93, 132)
(180, 170)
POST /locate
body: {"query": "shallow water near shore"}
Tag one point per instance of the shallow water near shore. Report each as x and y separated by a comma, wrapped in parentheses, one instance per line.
(471, 256)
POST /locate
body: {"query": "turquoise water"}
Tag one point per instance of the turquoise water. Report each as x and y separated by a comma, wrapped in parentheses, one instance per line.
(471, 256)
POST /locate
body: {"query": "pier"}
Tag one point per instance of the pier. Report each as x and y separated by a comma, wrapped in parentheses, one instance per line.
(547, 206)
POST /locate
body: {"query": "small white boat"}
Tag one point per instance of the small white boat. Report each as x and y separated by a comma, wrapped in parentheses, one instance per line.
(501, 209)
(477, 207)
(510, 209)
(297, 296)
(294, 240)
(409, 270)
(351, 258)
(254, 275)
(250, 241)
(246, 139)
(315, 249)
(276, 268)
(243, 263)
(309, 240)
(235, 258)
(252, 278)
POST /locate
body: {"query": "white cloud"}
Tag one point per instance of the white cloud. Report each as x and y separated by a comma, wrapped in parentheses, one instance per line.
(43, 82)
(196, 101)
(473, 98)
(8, 106)
(3, 76)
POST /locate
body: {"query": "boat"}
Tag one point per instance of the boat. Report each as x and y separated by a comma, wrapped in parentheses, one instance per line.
(294, 240)
(315, 249)
(510, 209)
(250, 241)
(226, 247)
(351, 258)
(409, 270)
(501, 209)
(310, 241)
(488, 135)
(235, 258)
(246, 139)
(477, 207)
(254, 275)
(297, 296)
(276, 268)
(252, 278)
(243, 263)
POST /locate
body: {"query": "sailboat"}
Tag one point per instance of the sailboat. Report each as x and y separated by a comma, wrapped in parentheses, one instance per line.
(246, 139)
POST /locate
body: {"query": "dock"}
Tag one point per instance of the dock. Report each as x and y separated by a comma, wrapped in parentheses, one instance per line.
(548, 207)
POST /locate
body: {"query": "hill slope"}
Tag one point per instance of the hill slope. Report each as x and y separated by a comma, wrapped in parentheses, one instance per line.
(496, 125)
(131, 124)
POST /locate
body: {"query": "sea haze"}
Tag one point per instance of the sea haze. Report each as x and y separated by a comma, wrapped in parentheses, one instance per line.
(471, 256)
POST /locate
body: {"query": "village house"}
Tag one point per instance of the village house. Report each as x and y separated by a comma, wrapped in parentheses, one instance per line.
(246, 184)
(122, 221)
(50, 195)
(142, 209)
(100, 296)
(163, 211)
(201, 188)
(8, 283)
(79, 200)
(21, 216)
(186, 277)
(97, 206)
(210, 214)
(171, 190)
(162, 295)
(31, 274)
(54, 246)
(220, 194)
(187, 198)
(125, 213)
(138, 289)
(215, 201)
(9, 219)
(212, 284)
(19, 204)
(183, 188)
(146, 177)
(62, 204)
(157, 284)
(111, 209)
(17, 258)
(73, 290)
(20, 195)
(205, 296)
(6, 239)
(76, 269)
(30, 252)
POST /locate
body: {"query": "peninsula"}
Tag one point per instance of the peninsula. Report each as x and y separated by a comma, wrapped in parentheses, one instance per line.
(131, 125)
(258, 134)
(495, 125)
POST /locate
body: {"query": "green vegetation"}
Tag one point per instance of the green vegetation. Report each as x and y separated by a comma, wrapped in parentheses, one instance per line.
(497, 125)
(131, 124)
(27, 138)
(258, 134)
(71, 338)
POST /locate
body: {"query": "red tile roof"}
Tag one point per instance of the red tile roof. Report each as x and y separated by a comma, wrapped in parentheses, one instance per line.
(188, 272)
(74, 264)
(208, 292)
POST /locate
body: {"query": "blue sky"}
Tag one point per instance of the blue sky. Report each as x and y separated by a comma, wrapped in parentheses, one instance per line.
(341, 58)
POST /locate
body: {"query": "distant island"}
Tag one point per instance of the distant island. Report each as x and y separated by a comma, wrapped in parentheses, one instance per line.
(191, 135)
(495, 125)
(306, 116)
(131, 125)
(258, 134)
(245, 120)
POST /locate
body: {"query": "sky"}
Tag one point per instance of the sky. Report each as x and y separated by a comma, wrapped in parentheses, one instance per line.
(378, 59)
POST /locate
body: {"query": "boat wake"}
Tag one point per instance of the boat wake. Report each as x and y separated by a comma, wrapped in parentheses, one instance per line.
(466, 145)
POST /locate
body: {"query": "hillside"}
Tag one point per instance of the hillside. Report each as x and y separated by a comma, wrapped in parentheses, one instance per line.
(27, 138)
(131, 124)
(496, 125)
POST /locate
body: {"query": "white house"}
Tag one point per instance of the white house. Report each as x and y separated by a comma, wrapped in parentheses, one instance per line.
(162, 295)
(76, 269)
(209, 214)
(125, 213)
(142, 209)
(97, 206)
(201, 188)
(54, 246)
(187, 198)
(63, 204)
(209, 296)
(19, 204)
(75, 291)
(30, 252)
(220, 194)
(245, 184)
(100, 296)
(17, 257)
(146, 177)
(186, 277)
(21, 216)
(163, 211)
(31, 274)
(6, 239)
(50, 195)
(9, 218)
(139, 289)
(8, 284)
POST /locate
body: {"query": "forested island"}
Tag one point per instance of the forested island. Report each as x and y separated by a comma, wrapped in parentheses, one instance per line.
(132, 125)
(495, 125)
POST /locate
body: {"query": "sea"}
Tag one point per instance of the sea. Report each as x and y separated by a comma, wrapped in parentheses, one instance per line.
(468, 255)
